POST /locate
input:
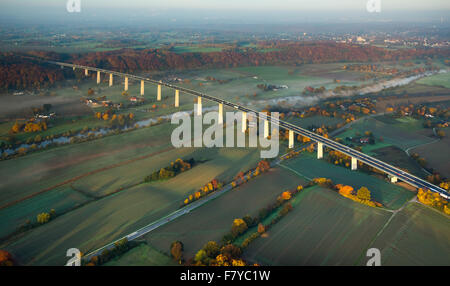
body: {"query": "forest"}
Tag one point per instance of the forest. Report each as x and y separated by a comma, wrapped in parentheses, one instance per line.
(17, 72)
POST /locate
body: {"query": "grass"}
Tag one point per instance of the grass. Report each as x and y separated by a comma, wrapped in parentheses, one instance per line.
(397, 157)
(418, 235)
(442, 80)
(195, 49)
(403, 134)
(110, 218)
(390, 195)
(437, 154)
(61, 199)
(316, 120)
(323, 228)
(214, 219)
(142, 255)
(24, 176)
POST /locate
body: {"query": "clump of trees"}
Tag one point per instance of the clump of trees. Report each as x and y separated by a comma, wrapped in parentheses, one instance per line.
(6, 258)
(176, 251)
(114, 120)
(211, 186)
(362, 195)
(213, 255)
(434, 200)
(31, 125)
(119, 248)
(171, 171)
(44, 217)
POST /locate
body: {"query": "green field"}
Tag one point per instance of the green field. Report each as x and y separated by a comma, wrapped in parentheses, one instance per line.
(403, 133)
(437, 160)
(390, 195)
(442, 79)
(214, 219)
(38, 171)
(60, 199)
(98, 168)
(418, 235)
(142, 255)
(324, 228)
(316, 120)
(195, 49)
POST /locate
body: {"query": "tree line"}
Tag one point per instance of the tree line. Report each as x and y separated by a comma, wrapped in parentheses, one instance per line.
(22, 73)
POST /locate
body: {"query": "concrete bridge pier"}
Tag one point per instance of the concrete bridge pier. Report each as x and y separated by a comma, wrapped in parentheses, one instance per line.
(126, 83)
(354, 164)
(244, 122)
(393, 179)
(98, 77)
(86, 72)
(319, 150)
(110, 79)
(142, 88)
(177, 98)
(158, 97)
(199, 106)
(220, 119)
(291, 139)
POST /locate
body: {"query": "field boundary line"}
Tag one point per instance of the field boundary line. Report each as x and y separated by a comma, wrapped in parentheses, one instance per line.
(74, 179)
(292, 170)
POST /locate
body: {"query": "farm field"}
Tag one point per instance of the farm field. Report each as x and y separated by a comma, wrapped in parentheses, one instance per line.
(323, 228)
(417, 235)
(110, 218)
(221, 164)
(142, 255)
(316, 120)
(390, 195)
(214, 219)
(60, 199)
(40, 170)
(403, 134)
(442, 80)
(397, 157)
(438, 160)
(241, 83)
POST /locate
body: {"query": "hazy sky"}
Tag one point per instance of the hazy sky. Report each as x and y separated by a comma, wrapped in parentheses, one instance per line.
(223, 11)
(300, 5)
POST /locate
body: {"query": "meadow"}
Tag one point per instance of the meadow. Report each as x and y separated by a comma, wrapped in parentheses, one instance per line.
(390, 195)
(214, 219)
(442, 80)
(416, 236)
(323, 228)
(142, 255)
(403, 133)
(437, 154)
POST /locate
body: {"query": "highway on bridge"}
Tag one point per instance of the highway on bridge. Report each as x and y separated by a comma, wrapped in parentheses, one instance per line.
(366, 159)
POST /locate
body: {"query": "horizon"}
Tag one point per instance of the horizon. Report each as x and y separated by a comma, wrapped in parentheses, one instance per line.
(215, 12)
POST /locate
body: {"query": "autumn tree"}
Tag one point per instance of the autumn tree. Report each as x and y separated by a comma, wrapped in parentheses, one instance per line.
(286, 195)
(239, 226)
(201, 257)
(43, 218)
(6, 258)
(176, 250)
(261, 228)
(363, 193)
(211, 248)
